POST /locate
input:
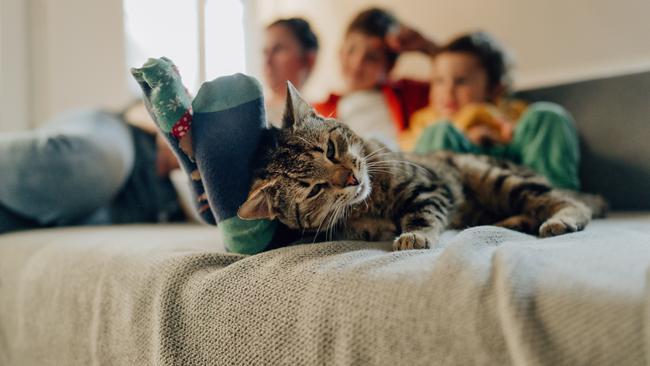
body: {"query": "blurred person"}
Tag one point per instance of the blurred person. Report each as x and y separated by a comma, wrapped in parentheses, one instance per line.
(469, 111)
(85, 167)
(290, 51)
(372, 104)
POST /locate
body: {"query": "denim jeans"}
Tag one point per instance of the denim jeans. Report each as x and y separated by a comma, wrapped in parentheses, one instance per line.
(64, 172)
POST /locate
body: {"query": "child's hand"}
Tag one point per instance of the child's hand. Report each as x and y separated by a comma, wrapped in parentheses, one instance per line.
(484, 124)
(405, 39)
(484, 135)
(506, 131)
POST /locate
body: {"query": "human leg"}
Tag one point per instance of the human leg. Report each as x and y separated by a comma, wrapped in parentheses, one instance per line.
(65, 171)
(546, 140)
(443, 136)
(216, 142)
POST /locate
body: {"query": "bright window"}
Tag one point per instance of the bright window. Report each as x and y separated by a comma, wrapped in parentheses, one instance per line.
(224, 38)
(201, 48)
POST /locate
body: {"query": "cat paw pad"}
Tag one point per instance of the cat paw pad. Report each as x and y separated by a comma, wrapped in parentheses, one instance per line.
(553, 227)
(411, 241)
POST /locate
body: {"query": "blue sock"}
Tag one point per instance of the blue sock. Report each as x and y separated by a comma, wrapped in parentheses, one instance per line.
(229, 121)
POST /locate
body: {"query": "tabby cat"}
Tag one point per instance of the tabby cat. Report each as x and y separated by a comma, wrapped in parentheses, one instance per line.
(321, 177)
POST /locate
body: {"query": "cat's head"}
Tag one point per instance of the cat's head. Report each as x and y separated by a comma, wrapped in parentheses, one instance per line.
(316, 172)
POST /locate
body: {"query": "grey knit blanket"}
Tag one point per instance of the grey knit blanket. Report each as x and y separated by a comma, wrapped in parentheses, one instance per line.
(169, 295)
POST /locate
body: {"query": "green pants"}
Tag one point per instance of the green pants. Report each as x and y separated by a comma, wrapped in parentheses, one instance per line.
(545, 140)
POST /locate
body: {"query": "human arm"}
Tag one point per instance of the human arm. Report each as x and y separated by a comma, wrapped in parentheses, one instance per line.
(483, 124)
(406, 39)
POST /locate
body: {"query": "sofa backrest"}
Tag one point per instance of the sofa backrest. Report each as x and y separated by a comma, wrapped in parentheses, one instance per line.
(613, 119)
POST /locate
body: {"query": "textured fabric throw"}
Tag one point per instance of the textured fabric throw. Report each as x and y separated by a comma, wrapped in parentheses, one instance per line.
(166, 296)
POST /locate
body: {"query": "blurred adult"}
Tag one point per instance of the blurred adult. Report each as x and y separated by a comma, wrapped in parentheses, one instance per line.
(290, 50)
(373, 104)
(84, 167)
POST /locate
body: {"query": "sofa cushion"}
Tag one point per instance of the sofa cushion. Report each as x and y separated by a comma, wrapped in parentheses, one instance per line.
(170, 295)
(613, 119)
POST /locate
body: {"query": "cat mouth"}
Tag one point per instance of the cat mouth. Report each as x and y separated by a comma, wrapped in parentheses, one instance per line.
(362, 192)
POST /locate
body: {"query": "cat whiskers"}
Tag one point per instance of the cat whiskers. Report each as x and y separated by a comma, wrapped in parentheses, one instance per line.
(374, 169)
(396, 163)
(319, 226)
(378, 154)
(334, 218)
(330, 225)
(387, 168)
(365, 201)
(383, 149)
(376, 173)
(326, 218)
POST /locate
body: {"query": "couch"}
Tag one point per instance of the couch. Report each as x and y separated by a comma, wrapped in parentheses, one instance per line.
(171, 295)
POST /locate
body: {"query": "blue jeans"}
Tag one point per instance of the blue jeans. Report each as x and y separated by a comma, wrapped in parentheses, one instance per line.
(64, 172)
(83, 167)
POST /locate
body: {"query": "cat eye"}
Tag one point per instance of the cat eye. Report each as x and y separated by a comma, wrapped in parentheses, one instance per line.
(331, 150)
(316, 190)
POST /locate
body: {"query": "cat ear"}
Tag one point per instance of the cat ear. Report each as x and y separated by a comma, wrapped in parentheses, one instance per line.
(257, 205)
(296, 108)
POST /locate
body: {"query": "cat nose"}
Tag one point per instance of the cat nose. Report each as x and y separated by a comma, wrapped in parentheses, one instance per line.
(352, 180)
(344, 177)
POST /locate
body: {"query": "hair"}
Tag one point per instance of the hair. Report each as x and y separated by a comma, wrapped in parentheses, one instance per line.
(301, 30)
(488, 51)
(375, 22)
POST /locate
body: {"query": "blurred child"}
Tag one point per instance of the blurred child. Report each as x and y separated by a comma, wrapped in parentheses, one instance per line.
(467, 113)
(372, 104)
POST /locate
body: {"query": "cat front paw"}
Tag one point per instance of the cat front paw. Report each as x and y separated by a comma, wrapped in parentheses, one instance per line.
(554, 227)
(411, 241)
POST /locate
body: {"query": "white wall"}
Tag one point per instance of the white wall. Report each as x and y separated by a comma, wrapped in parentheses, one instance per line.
(552, 40)
(78, 56)
(60, 54)
(57, 55)
(14, 59)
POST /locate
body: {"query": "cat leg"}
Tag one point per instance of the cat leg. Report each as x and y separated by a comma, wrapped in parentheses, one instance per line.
(570, 217)
(423, 217)
(417, 239)
(556, 211)
(508, 190)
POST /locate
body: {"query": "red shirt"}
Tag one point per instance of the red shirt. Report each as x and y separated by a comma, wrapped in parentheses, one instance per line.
(403, 98)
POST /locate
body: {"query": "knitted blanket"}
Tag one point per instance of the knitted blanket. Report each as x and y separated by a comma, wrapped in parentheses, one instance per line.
(169, 295)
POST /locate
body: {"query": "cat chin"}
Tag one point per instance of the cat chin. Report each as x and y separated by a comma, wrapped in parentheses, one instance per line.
(362, 193)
